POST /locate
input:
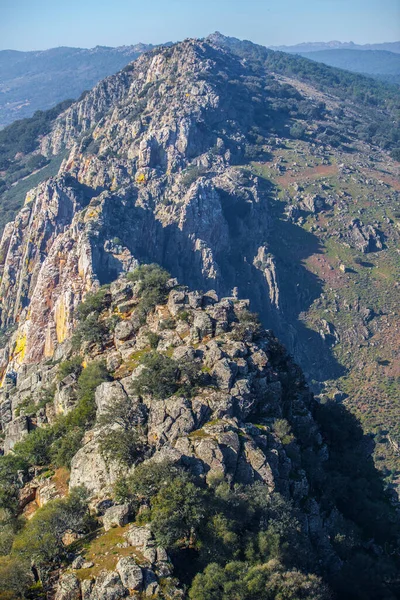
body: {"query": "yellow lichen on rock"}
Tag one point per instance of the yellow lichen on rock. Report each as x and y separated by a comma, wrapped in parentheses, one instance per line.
(61, 320)
(20, 348)
(141, 178)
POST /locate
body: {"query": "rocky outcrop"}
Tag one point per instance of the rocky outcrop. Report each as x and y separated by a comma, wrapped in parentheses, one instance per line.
(151, 176)
(364, 237)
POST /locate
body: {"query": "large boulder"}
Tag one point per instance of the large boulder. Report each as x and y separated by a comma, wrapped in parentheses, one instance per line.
(88, 468)
(107, 394)
(130, 573)
(108, 586)
(116, 516)
(68, 588)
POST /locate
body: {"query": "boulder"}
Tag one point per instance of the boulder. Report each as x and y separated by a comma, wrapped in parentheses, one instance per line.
(176, 302)
(224, 373)
(202, 325)
(116, 516)
(123, 331)
(130, 573)
(68, 588)
(107, 394)
(108, 586)
(138, 536)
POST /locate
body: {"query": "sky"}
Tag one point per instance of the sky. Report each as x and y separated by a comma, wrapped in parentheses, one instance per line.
(42, 24)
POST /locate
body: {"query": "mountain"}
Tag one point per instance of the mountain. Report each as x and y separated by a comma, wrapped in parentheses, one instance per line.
(335, 45)
(31, 81)
(198, 462)
(380, 63)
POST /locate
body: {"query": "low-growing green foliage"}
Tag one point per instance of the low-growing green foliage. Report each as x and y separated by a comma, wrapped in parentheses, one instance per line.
(41, 540)
(152, 281)
(164, 376)
(124, 443)
(95, 302)
(72, 366)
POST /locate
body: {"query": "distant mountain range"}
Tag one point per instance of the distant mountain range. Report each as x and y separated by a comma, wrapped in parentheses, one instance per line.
(31, 81)
(335, 45)
(381, 61)
(377, 63)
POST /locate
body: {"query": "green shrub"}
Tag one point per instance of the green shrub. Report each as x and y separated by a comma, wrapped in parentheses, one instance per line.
(153, 338)
(248, 325)
(35, 447)
(159, 378)
(95, 302)
(10, 466)
(15, 577)
(125, 444)
(41, 540)
(70, 367)
(152, 281)
(191, 175)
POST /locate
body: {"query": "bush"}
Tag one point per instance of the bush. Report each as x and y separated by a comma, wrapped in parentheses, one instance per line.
(10, 467)
(248, 325)
(153, 338)
(191, 175)
(70, 367)
(91, 331)
(124, 444)
(95, 302)
(159, 378)
(35, 447)
(153, 290)
(15, 577)
(41, 539)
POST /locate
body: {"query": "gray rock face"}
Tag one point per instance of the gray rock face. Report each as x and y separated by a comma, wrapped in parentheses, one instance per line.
(68, 588)
(107, 394)
(15, 431)
(88, 468)
(108, 586)
(365, 237)
(130, 573)
(138, 536)
(123, 331)
(116, 516)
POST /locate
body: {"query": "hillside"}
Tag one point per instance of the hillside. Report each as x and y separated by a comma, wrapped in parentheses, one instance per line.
(380, 63)
(268, 182)
(31, 81)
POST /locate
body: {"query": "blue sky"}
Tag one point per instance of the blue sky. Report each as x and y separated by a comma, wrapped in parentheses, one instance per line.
(41, 24)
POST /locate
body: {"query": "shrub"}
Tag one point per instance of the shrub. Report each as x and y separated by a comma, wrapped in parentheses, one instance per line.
(153, 338)
(191, 175)
(91, 330)
(95, 302)
(152, 281)
(70, 367)
(35, 447)
(124, 444)
(41, 539)
(15, 577)
(248, 325)
(177, 512)
(159, 378)
(10, 467)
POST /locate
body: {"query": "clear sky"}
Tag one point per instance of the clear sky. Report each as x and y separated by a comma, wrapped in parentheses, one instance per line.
(41, 24)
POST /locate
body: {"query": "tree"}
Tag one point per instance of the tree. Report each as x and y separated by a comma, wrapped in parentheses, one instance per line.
(41, 540)
(152, 286)
(159, 377)
(177, 512)
(123, 443)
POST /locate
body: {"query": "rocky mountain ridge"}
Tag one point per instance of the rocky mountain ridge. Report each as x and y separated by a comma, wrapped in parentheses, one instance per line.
(163, 164)
(197, 387)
